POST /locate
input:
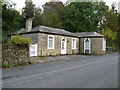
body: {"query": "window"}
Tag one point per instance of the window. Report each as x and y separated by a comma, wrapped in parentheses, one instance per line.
(50, 42)
(104, 44)
(63, 43)
(87, 45)
(73, 43)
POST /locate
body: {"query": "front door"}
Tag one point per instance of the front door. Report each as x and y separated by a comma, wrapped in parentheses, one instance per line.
(63, 46)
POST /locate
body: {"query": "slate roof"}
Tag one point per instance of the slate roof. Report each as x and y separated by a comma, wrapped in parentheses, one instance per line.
(89, 34)
(44, 29)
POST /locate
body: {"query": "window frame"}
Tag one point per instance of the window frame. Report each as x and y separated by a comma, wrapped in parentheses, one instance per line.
(53, 42)
(88, 44)
(73, 44)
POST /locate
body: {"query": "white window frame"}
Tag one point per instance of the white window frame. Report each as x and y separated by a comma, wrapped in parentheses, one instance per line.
(104, 44)
(52, 41)
(89, 45)
(73, 43)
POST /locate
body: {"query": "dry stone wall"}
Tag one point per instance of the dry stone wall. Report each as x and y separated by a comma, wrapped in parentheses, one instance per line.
(13, 55)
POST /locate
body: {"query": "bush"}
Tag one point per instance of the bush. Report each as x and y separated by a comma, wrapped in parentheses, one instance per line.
(19, 40)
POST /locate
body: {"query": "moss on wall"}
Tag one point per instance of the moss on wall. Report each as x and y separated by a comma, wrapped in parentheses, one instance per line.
(14, 55)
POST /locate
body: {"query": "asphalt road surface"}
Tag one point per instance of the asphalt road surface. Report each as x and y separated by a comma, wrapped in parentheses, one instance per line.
(88, 72)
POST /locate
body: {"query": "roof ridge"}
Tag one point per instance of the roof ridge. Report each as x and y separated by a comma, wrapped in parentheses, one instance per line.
(56, 28)
(21, 30)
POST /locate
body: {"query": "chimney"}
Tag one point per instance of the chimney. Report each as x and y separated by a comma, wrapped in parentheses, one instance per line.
(29, 24)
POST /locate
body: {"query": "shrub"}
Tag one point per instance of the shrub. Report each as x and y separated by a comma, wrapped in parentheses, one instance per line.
(19, 40)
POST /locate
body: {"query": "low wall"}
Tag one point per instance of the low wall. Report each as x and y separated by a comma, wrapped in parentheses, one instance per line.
(13, 55)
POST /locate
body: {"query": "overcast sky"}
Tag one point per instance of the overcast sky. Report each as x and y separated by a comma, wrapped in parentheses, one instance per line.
(21, 3)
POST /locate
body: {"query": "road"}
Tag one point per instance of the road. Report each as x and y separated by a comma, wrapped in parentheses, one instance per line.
(88, 72)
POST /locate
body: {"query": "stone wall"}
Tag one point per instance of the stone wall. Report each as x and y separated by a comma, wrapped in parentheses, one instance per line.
(44, 51)
(13, 55)
(96, 45)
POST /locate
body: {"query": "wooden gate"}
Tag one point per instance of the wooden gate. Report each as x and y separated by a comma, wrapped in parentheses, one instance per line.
(33, 50)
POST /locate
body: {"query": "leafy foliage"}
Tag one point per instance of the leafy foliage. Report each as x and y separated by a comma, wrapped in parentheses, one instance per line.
(118, 32)
(111, 20)
(28, 10)
(12, 20)
(80, 17)
(53, 14)
(111, 27)
(19, 40)
(37, 20)
(109, 33)
(100, 8)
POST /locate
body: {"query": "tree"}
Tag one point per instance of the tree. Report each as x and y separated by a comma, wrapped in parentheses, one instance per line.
(53, 13)
(111, 26)
(111, 18)
(100, 8)
(11, 19)
(80, 17)
(37, 20)
(118, 32)
(28, 10)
